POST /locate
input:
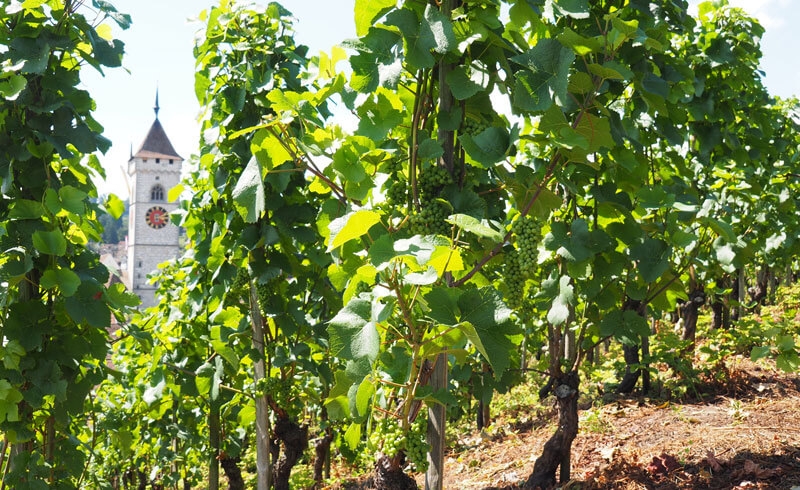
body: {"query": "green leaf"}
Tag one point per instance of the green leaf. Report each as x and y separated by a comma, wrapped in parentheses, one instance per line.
(580, 44)
(724, 252)
(376, 63)
(417, 36)
(577, 9)
(611, 70)
(546, 81)
(120, 297)
(72, 199)
(788, 361)
(559, 310)
(26, 209)
(487, 148)
(10, 88)
(365, 391)
(50, 242)
(350, 226)
(626, 326)
(481, 228)
(248, 195)
(352, 333)
(269, 150)
(337, 403)
(443, 304)
(597, 131)
(759, 352)
(66, 280)
(367, 11)
(421, 278)
(486, 312)
(440, 28)
(226, 352)
(175, 193)
(380, 114)
(430, 150)
(353, 435)
(461, 86)
(653, 258)
(114, 206)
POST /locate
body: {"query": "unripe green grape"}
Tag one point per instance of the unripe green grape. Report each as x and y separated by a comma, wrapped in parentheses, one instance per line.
(263, 291)
(362, 287)
(473, 127)
(242, 279)
(416, 444)
(528, 233)
(431, 219)
(432, 180)
(514, 279)
(397, 193)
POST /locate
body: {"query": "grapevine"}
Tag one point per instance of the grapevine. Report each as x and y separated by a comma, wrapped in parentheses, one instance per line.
(417, 445)
(432, 179)
(514, 279)
(387, 437)
(528, 235)
(473, 127)
(397, 193)
(431, 219)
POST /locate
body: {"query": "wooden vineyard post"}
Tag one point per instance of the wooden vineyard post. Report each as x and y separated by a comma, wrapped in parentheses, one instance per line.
(437, 417)
(263, 466)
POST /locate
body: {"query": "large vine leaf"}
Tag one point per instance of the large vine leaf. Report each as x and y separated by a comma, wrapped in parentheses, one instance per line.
(546, 78)
(248, 195)
(353, 334)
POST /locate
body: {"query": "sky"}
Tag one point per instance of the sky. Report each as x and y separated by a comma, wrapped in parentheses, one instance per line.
(158, 53)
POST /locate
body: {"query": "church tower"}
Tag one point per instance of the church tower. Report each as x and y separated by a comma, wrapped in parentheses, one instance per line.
(152, 239)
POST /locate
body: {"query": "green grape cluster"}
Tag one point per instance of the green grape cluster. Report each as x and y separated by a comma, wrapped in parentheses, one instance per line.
(263, 291)
(362, 287)
(397, 193)
(528, 234)
(430, 220)
(432, 179)
(394, 166)
(242, 279)
(514, 279)
(276, 389)
(417, 446)
(473, 127)
(387, 437)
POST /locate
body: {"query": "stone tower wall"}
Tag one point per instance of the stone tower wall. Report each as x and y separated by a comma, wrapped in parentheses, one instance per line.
(148, 247)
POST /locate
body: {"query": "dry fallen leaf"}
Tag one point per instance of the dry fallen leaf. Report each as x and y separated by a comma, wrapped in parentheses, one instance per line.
(752, 469)
(712, 461)
(663, 464)
(609, 452)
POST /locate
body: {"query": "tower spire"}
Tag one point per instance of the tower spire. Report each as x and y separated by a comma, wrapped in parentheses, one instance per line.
(156, 108)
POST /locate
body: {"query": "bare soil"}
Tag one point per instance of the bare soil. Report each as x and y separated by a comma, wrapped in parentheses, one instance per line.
(746, 435)
(741, 434)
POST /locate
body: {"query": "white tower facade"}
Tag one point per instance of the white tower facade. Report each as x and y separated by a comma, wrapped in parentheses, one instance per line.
(152, 239)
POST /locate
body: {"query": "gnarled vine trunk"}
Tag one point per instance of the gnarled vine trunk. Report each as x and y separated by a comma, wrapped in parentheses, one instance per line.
(295, 441)
(556, 452)
(690, 312)
(630, 353)
(322, 450)
(389, 475)
(234, 474)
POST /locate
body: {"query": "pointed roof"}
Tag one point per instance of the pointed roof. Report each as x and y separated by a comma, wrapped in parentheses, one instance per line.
(157, 144)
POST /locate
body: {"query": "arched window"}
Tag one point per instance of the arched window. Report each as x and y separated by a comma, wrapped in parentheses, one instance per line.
(157, 193)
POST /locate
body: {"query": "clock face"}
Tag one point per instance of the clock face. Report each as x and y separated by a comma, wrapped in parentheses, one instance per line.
(156, 217)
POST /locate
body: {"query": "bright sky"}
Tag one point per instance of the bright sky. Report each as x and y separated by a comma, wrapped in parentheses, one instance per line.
(158, 50)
